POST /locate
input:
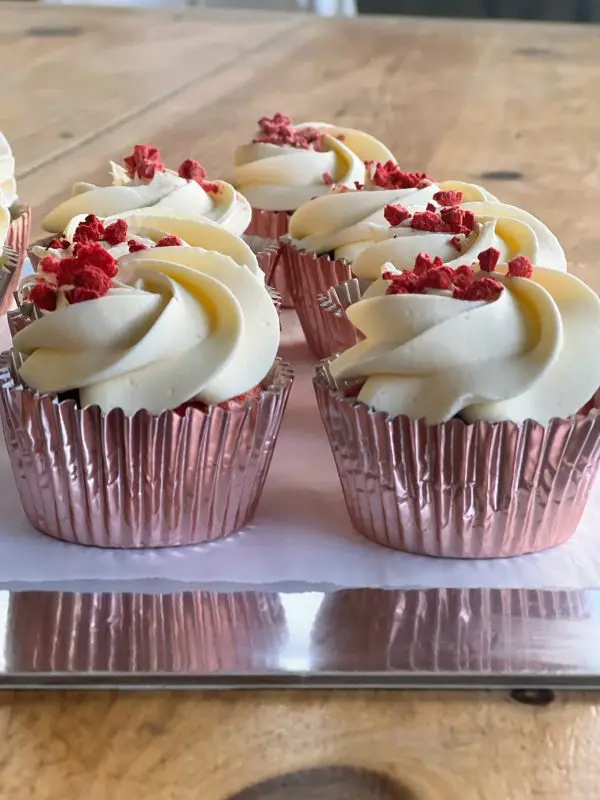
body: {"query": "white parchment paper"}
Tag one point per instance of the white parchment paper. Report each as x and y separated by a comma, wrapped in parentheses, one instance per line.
(300, 538)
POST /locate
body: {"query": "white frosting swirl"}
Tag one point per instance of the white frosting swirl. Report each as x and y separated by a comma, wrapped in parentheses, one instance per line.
(509, 229)
(165, 193)
(531, 354)
(282, 178)
(186, 324)
(8, 184)
(348, 222)
(149, 228)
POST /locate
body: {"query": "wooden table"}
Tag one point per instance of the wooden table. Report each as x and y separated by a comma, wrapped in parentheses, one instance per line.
(514, 107)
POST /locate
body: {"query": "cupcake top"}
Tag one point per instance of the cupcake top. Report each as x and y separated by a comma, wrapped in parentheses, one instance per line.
(146, 186)
(179, 325)
(346, 221)
(498, 342)
(8, 184)
(134, 231)
(285, 165)
(457, 234)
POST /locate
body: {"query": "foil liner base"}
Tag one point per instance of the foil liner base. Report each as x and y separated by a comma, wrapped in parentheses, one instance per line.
(310, 277)
(110, 480)
(456, 490)
(270, 226)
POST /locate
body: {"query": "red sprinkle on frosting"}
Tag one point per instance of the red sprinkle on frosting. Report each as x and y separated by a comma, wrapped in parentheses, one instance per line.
(456, 243)
(359, 186)
(169, 241)
(395, 214)
(489, 259)
(43, 296)
(116, 232)
(59, 244)
(327, 179)
(388, 175)
(192, 170)
(144, 162)
(424, 262)
(49, 265)
(280, 130)
(520, 267)
(448, 220)
(90, 230)
(135, 246)
(448, 198)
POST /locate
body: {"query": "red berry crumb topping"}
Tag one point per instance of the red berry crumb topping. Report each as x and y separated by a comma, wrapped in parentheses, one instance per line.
(116, 232)
(327, 179)
(520, 267)
(448, 220)
(390, 176)
(359, 186)
(59, 244)
(90, 230)
(84, 276)
(456, 243)
(448, 198)
(395, 214)
(192, 170)
(134, 246)
(431, 274)
(488, 259)
(279, 130)
(144, 162)
(169, 241)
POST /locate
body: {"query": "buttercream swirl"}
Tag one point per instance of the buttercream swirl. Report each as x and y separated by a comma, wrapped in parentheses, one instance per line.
(150, 227)
(507, 228)
(165, 192)
(280, 177)
(8, 184)
(529, 354)
(348, 222)
(183, 324)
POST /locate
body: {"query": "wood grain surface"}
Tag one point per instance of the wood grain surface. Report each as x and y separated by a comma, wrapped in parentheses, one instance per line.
(512, 106)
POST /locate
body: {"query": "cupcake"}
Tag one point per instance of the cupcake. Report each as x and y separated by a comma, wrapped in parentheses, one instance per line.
(441, 234)
(15, 235)
(466, 423)
(142, 405)
(134, 231)
(285, 165)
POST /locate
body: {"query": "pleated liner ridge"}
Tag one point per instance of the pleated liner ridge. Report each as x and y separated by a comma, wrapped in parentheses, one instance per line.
(456, 490)
(143, 481)
(310, 277)
(272, 225)
(9, 272)
(183, 632)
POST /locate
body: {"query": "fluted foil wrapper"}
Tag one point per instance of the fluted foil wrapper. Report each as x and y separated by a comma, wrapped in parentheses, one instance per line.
(310, 277)
(271, 226)
(9, 275)
(455, 490)
(185, 632)
(110, 480)
(446, 630)
(18, 232)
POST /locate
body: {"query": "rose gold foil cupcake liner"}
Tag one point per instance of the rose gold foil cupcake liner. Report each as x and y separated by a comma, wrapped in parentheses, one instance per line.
(309, 277)
(18, 233)
(456, 490)
(271, 226)
(185, 632)
(9, 271)
(110, 480)
(445, 630)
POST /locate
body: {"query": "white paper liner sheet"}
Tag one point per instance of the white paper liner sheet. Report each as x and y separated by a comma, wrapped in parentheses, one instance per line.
(301, 537)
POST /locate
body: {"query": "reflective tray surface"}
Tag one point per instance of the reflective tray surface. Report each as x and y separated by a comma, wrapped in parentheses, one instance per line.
(374, 638)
